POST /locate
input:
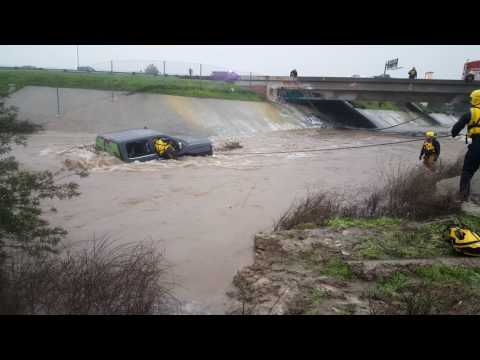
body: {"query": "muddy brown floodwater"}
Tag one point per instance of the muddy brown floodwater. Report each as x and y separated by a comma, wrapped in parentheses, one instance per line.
(203, 212)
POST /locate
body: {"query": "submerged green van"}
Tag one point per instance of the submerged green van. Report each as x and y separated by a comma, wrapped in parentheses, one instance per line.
(137, 145)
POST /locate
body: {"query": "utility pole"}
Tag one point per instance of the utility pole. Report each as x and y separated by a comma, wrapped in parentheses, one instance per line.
(58, 103)
(111, 66)
(78, 59)
(163, 67)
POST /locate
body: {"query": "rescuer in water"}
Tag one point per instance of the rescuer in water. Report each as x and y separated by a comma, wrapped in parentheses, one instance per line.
(472, 158)
(430, 150)
(164, 148)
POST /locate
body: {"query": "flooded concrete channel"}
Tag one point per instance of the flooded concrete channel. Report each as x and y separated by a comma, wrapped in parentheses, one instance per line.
(203, 212)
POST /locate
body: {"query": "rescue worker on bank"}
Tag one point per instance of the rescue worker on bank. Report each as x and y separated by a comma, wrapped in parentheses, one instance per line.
(472, 157)
(430, 150)
(164, 149)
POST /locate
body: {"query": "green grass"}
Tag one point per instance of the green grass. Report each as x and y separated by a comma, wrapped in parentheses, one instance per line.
(365, 223)
(123, 82)
(376, 105)
(420, 244)
(449, 274)
(432, 289)
(317, 296)
(306, 226)
(336, 268)
(470, 221)
(426, 242)
(395, 283)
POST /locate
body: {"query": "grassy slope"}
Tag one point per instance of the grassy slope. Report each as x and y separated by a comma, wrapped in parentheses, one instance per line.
(377, 105)
(123, 82)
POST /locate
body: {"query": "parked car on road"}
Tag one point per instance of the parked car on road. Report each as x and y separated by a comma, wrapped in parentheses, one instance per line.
(228, 76)
(136, 145)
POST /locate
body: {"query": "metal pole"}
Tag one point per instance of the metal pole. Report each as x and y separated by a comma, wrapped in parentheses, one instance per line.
(78, 59)
(250, 80)
(111, 66)
(58, 103)
(164, 68)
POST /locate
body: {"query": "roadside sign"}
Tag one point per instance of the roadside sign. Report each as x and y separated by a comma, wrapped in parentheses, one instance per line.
(392, 64)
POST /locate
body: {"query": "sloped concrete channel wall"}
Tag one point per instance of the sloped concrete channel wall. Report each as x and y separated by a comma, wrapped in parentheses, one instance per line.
(96, 111)
(341, 113)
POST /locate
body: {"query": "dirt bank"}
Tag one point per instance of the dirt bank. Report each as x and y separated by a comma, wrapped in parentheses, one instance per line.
(357, 270)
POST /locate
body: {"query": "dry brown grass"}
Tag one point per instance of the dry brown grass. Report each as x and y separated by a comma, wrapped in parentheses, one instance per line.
(105, 278)
(408, 193)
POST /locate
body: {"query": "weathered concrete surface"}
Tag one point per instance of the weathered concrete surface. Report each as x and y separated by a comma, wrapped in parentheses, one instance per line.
(378, 89)
(97, 111)
(444, 119)
(386, 118)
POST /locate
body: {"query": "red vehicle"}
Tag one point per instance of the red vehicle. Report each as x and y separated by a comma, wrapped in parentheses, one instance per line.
(471, 70)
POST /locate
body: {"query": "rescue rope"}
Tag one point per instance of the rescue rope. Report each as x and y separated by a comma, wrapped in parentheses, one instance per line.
(332, 149)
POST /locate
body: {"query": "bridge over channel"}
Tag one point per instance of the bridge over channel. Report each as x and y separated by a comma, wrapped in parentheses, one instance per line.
(367, 89)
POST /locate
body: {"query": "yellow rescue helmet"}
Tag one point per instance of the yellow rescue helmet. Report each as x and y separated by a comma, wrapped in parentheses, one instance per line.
(430, 134)
(475, 97)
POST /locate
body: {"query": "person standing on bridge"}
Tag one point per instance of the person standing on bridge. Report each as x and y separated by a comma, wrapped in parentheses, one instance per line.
(412, 74)
(430, 150)
(294, 74)
(472, 157)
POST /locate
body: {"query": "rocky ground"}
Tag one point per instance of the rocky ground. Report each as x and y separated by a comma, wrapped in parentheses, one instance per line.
(377, 266)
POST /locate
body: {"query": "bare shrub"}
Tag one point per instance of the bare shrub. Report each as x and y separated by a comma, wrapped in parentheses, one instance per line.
(314, 209)
(103, 279)
(411, 193)
(407, 193)
(450, 169)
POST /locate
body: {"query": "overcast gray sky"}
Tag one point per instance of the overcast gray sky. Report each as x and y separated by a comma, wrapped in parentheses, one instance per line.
(310, 60)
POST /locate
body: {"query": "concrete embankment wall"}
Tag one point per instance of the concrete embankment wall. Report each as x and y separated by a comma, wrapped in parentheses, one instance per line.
(341, 113)
(95, 111)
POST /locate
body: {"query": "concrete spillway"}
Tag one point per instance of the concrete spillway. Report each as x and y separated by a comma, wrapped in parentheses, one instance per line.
(94, 111)
(338, 113)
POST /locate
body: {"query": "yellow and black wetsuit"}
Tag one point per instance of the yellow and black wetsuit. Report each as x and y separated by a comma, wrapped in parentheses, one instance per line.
(430, 152)
(471, 163)
(164, 149)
